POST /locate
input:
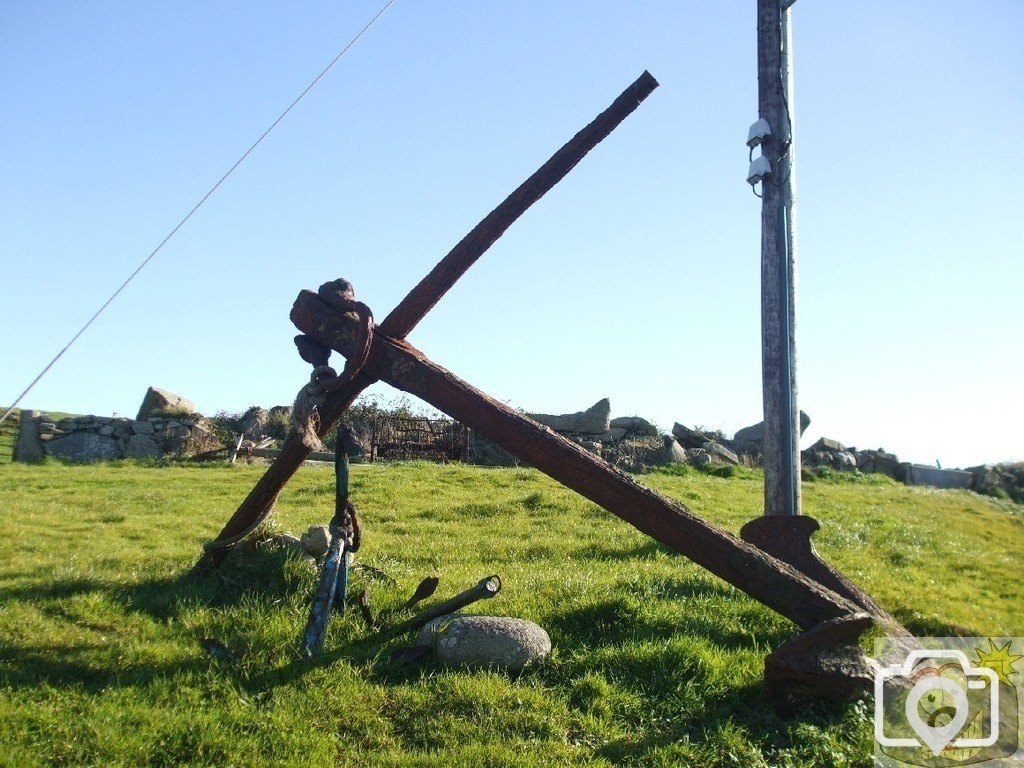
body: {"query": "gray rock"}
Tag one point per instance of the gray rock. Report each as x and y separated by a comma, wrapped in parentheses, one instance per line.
(593, 421)
(157, 399)
(689, 438)
(142, 447)
(828, 445)
(485, 642)
(29, 448)
(83, 447)
(316, 540)
(844, 461)
(634, 425)
(699, 457)
(612, 435)
(720, 453)
(68, 425)
(106, 430)
(984, 479)
(882, 462)
(670, 452)
(755, 432)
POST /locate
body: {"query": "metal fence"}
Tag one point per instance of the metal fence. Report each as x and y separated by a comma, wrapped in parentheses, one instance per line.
(399, 438)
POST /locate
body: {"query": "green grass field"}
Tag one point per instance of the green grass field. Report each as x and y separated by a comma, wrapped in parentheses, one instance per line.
(655, 662)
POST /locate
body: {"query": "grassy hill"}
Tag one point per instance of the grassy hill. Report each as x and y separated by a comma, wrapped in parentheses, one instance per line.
(656, 663)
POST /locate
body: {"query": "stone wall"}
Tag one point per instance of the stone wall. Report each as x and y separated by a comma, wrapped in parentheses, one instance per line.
(101, 438)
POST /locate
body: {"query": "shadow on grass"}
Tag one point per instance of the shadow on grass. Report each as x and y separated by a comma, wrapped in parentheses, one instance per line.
(77, 666)
(250, 570)
(94, 666)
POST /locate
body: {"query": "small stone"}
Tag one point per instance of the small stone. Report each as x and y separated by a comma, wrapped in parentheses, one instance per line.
(143, 427)
(106, 430)
(316, 540)
(485, 642)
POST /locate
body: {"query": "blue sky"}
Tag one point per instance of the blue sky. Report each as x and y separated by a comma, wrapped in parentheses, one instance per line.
(637, 278)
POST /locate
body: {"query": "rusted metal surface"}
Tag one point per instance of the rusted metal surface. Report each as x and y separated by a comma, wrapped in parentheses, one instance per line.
(442, 277)
(788, 537)
(772, 582)
(419, 302)
(485, 589)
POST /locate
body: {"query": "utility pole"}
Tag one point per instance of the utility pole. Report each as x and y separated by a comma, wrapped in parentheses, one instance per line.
(782, 531)
(781, 447)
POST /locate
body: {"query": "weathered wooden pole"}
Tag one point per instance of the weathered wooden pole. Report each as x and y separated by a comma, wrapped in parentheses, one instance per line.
(780, 448)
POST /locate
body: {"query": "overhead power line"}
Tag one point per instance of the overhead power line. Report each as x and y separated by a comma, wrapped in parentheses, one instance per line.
(196, 207)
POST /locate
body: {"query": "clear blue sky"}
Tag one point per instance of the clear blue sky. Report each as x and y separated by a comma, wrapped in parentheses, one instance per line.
(637, 278)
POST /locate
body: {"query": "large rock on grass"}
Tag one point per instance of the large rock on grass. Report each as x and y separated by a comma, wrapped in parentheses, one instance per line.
(594, 421)
(160, 400)
(485, 642)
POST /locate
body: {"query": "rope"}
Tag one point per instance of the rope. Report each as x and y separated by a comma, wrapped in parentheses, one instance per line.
(323, 381)
(195, 208)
